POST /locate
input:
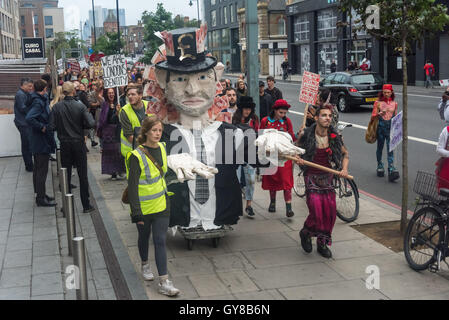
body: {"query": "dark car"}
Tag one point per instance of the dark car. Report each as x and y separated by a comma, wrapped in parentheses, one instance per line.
(351, 89)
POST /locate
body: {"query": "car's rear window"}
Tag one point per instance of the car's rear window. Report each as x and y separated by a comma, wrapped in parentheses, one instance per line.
(366, 79)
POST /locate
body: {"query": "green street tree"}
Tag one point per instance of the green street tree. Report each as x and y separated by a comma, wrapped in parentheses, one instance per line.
(160, 20)
(66, 40)
(402, 24)
(108, 43)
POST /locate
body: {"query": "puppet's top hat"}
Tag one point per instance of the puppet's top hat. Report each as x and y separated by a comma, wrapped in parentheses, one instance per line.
(185, 51)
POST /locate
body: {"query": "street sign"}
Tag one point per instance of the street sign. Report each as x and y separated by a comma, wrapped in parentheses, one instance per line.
(396, 131)
(309, 87)
(33, 48)
(114, 71)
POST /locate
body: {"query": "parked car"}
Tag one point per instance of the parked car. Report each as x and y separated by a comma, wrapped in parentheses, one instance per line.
(351, 89)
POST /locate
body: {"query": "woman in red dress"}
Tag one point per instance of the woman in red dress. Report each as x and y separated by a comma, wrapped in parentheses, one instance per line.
(283, 178)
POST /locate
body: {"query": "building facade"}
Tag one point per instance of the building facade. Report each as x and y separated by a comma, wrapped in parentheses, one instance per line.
(223, 32)
(134, 36)
(53, 22)
(315, 40)
(10, 44)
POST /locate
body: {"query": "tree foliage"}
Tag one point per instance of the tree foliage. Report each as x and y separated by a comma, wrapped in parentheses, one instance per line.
(66, 40)
(160, 20)
(108, 44)
(402, 23)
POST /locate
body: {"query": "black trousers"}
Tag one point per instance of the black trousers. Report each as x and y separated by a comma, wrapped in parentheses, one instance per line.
(40, 172)
(25, 133)
(73, 154)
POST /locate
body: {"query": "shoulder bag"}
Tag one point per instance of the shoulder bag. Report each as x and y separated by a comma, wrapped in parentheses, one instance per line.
(371, 131)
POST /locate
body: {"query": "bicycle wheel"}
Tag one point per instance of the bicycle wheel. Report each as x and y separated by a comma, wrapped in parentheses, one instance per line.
(298, 181)
(347, 200)
(424, 232)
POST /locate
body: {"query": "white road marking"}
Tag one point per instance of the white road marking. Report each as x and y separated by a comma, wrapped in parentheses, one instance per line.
(434, 143)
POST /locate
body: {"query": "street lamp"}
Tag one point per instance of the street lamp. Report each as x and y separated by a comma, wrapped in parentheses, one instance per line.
(198, 8)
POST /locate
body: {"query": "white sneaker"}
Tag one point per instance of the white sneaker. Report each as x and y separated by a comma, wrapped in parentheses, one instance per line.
(166, 287)
(147, 273)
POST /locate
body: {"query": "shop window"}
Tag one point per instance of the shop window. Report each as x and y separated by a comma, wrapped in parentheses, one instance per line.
(301, 28)
(327, 24)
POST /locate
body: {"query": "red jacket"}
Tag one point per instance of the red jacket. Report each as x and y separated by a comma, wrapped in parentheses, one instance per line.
(427, 66)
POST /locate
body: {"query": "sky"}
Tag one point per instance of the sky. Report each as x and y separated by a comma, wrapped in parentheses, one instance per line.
(74, 14)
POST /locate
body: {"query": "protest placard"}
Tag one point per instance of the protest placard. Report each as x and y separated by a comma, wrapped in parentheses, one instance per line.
(309, 87)
(396, 131)
(114, 71)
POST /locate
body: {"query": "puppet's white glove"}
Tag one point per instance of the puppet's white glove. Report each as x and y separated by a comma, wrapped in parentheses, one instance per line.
(187, 167)
(273, 143)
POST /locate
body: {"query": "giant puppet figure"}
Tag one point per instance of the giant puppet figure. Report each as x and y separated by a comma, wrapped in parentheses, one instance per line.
(203, 152)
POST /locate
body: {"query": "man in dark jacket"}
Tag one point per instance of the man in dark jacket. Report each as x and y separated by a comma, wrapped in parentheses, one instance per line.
(266, 101)
(21, 108)
(70, 118)
(274, 92)
(42, 141)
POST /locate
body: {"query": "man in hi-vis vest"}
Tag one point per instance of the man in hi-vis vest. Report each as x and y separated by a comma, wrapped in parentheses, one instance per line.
(131, 117)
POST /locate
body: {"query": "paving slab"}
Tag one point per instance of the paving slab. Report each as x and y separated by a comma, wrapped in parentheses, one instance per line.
(16, 293)
(46, 264)
(19, 243)
(16, 277)
(22, 217)
(259, 241)
(260, 295)
(294, 275)
(412, 284)
(45, 248)
(14, 259)
(22, 229)
(48, 297)
(183, 283)
(357, 248)
(196, 265)
(46, 233)
(281, 257)
(47, 283)
(342, 290)
(355, 268)
(237, 282)
(202, 284)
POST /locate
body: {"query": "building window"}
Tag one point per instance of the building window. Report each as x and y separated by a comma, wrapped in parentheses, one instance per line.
(36, 32)
(213, 18)
(48, 20)
(36, 19)
(225, 37)
(24, 33)
(49, 33)
(212, 2)
(232, 13)
(225, 15)
(301, 28)
(326, 53)
(281, 27)
(22, 20)
(327, 24)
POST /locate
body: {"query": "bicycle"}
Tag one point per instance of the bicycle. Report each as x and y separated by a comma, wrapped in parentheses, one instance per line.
(347, 194)
(426, 240)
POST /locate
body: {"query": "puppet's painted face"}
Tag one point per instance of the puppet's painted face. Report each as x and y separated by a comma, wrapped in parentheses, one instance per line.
(192, 94)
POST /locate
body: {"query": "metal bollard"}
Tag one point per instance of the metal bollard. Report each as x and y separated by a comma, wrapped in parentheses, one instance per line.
(70, 220)
(58, 161)
(79, 259)
(64, 187)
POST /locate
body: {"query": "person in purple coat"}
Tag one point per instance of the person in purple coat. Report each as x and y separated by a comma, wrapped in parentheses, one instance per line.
(109, 131)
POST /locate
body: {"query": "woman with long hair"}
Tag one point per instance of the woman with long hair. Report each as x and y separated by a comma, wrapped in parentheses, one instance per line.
(245, 118)
(58, 96)
(385, 108)
(109, 133)
(146, 167)
(241, 88)
(283, 178)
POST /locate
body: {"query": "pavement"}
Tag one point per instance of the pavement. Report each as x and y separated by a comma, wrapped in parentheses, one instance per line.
(261, 259)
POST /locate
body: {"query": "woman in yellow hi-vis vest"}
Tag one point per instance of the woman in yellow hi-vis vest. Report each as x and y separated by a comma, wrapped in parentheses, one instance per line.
(146, 167)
